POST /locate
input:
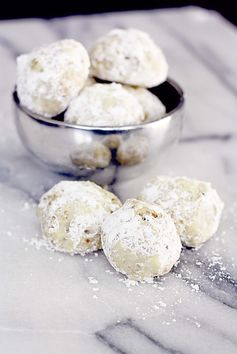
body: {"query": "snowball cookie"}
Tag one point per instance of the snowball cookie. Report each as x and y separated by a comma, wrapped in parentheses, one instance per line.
(92, 155)
(112, 141)
(89, 81)
(104, 105)
(153, 108)
(71, 214)
(129, 57)
(132, 150)
(49, 77)
(140, 240)
(194, 206)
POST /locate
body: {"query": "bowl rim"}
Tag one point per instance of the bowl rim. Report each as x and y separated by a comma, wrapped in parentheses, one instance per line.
(62, 124)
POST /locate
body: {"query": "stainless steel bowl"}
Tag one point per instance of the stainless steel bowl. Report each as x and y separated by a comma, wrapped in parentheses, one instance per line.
(98, 152)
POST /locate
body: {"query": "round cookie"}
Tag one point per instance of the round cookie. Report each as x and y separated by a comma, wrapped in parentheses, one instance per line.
(71, 214)
(50, 77)
(92, 155)
(194, 206)
(112, 141)
(153, 108)
(130, 57)
(132, 150)
(104, 105)
(89, 81)
(140, 240)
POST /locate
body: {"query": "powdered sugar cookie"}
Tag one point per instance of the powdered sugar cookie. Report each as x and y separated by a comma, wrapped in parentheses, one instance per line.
(71, 214)
(153, 108)
(129, 57)
(49, 77)
(104, 105)
(194, 206)
(89, 81)
(132, 150)
(140, 240)
(91, 156)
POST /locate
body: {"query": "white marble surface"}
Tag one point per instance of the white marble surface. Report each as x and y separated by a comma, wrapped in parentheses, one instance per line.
(48, 302)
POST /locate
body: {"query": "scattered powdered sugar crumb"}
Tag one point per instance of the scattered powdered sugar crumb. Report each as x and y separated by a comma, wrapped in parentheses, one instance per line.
(92, 280)
(194, 321)
(109, 271)
(195, 287)
(38, 243)
(128, 282)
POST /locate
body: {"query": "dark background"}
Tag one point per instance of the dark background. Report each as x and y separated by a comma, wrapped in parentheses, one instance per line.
(49, 9)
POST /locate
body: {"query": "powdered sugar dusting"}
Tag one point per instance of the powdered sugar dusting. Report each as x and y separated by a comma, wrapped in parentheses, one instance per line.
(49, 77)
(194, 206)
(71, 214)
(105, 105)
(130, 57)
(152, 106)
(136, 232)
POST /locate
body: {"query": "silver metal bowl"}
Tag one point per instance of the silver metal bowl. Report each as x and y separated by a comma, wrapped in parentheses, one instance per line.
(98, 152)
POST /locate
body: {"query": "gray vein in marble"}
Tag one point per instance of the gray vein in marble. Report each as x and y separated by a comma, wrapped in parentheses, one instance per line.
(105, 336)
(205, 325)
(8, 45)
(215, 282)
(206, 137)
(227, 165)
(58, 27)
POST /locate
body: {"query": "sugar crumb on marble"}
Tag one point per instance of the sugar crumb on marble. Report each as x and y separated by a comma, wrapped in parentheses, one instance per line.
(195, 287)
(92, 280)
(38, 243)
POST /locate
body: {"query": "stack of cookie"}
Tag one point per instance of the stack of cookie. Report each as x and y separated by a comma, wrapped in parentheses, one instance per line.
(106, 87)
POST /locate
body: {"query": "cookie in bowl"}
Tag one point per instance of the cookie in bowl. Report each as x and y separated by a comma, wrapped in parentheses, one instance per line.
(105, 105)
(152, 106)
(80, 125)
(49, 77)
(132, 150)
(129, 56)
(92, 156)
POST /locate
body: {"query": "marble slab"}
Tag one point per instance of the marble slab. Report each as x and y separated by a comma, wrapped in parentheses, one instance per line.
(51, 303)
